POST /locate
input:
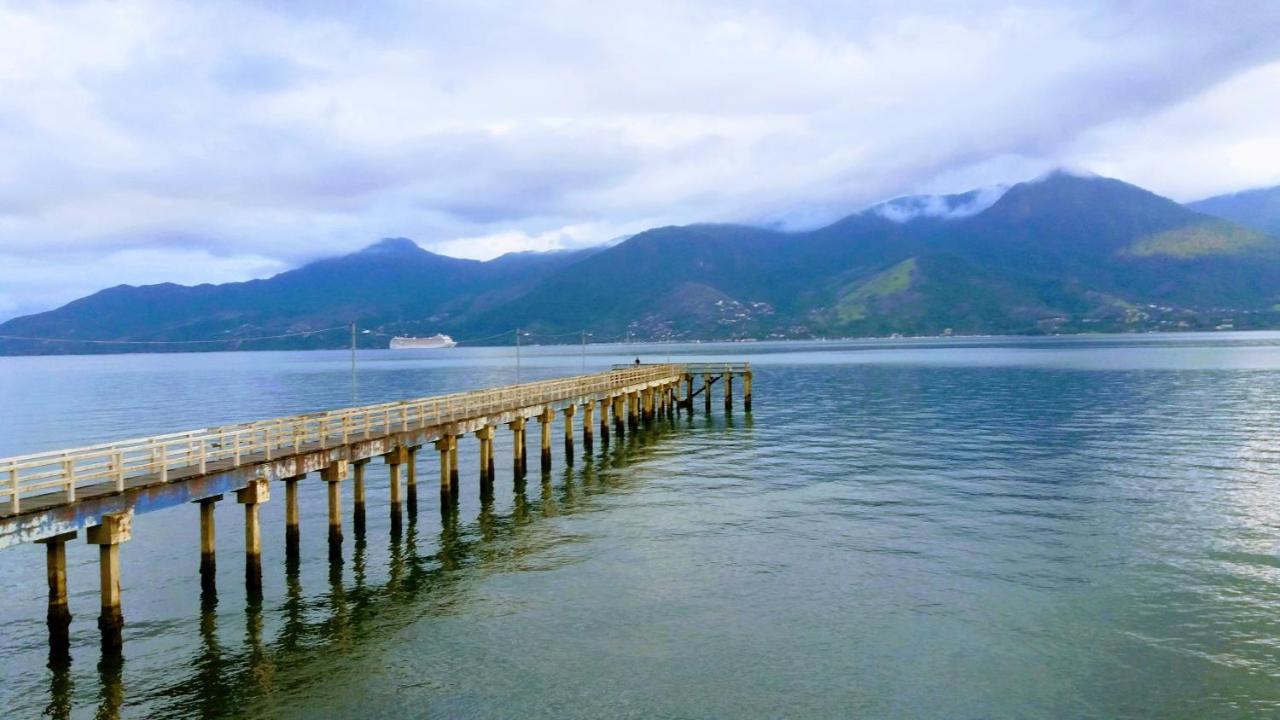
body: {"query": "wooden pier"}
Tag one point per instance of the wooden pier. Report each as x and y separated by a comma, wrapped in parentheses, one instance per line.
(50, 497)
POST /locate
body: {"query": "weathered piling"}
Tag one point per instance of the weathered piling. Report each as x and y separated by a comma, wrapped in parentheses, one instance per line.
(517, 447)
(446, 485)
(453, 466)
(604, 421)
(545, 418)
(333, 477)
(252, 495)
(485, 436)
(568, 413)
(746, 391)
(116, 528)
(588, 429)
(58, 617)
(395, 460)
(292, 523)
(357, 496)
(208, 546)
(728, 391)
(411, 479)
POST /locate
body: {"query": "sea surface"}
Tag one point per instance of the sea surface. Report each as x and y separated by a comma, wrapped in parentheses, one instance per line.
(1081, 527)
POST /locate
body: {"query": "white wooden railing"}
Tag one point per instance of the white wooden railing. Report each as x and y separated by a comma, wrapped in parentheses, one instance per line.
(702, 368)
(194, 450)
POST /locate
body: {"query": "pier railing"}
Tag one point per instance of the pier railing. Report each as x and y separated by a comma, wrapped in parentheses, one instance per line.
(195, 451)
(738, 368)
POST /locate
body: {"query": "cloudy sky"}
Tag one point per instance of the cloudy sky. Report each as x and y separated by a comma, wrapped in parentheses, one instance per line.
(214, 141)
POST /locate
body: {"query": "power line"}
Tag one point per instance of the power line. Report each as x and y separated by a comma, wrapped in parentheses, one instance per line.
(490, 337)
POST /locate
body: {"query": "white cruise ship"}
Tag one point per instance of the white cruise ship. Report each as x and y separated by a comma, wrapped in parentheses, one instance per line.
(414, 343)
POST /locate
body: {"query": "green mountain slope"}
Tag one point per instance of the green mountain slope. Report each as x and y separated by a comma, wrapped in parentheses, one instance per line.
(1060, 254)
(1256, 209)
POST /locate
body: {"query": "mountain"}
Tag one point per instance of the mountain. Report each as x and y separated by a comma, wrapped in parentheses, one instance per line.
(1062, 253)
(393, 286)
(1256, 209)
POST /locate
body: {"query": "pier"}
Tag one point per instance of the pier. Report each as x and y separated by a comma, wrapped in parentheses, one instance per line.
(50, 497)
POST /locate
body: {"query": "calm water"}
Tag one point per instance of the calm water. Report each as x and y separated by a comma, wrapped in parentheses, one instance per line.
(1057, 528)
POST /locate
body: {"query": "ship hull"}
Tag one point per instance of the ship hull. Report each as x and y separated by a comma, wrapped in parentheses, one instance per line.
(435, 342)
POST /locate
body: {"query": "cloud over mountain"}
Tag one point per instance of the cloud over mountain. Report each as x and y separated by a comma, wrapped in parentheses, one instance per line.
(142, 135)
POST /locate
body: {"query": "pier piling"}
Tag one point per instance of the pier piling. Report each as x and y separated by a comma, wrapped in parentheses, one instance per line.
(333, 477)
(208, 547)
(545, 419)
(58, 617)
(604, 422)
(517, 447)
(411, 479)
(292, 529)
(253, 494)
(453, 465)
(357, 496)
(116, 528)
(568, 413)
(395, 460)
(446, 484)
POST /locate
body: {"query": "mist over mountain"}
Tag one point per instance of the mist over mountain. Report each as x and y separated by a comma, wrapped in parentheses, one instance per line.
(1064, 253)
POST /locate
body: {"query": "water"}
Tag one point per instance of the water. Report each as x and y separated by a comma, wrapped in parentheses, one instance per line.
(994, 528)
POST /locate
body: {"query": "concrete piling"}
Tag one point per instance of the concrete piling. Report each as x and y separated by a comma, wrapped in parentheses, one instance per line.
(252, 495)
(411, 479)
(618, 414)
(292, 523)
(517, 447)
(208, 551)
(357, 496)
(333, 477)
(485, 436)
(568, 413)
(453, 465)
(58, 617)
(604, 421)
(116, 528)
(545, 418)
(395, 460)
(446, 485)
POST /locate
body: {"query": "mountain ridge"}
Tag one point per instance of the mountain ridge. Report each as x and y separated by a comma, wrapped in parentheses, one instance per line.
(1062, 253)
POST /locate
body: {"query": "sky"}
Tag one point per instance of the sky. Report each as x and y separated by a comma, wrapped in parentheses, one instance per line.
(146, 142)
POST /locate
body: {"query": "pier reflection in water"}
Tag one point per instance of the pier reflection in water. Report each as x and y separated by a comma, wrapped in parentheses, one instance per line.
(428, 571)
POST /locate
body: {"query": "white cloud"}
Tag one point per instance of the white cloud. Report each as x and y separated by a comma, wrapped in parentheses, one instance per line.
(267, 135)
